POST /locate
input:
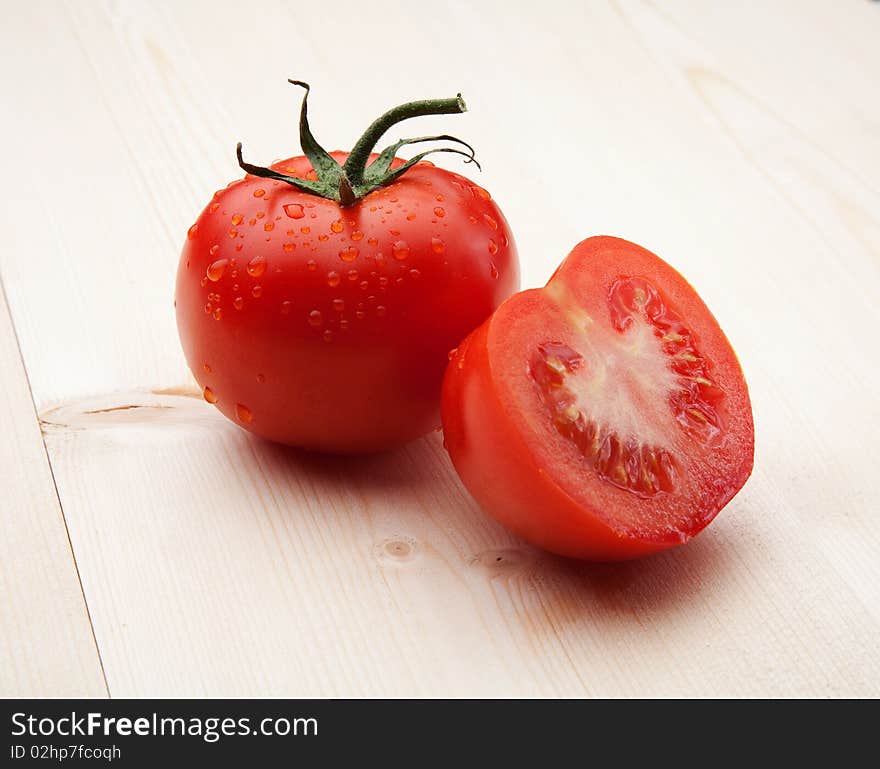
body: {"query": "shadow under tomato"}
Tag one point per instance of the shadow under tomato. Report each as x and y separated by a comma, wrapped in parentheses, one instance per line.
(665, 579)
(417, 487)
(397, 467)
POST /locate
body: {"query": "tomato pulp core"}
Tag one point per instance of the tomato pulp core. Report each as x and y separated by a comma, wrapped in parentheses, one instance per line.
(630, 388)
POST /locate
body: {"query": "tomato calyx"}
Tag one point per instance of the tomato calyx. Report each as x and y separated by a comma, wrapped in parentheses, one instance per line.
(348, 183)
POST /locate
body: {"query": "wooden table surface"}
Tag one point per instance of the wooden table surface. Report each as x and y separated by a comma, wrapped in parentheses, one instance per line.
(148, 547)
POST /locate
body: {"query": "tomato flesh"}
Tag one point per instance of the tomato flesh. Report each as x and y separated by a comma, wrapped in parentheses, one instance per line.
(604, 416)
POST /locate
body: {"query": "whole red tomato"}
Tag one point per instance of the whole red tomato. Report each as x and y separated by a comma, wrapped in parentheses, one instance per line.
(317, 300)
(604, 416)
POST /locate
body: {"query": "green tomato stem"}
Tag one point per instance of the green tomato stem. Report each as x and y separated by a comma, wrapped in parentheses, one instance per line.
(349, 183)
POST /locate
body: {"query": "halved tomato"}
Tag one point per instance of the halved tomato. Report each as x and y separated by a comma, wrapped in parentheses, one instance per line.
(604, 416)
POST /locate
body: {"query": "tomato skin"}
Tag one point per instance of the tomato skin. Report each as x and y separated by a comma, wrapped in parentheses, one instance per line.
(334, 324)
(532, 489)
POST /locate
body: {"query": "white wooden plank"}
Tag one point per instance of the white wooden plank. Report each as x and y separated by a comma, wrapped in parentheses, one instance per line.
(217, 564)
(824, 267)
(46, 643)
(379, 576)
(810, 65)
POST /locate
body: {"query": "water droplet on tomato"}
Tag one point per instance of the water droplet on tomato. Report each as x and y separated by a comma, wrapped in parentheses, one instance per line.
(311, 265)
(381, 311)
(352, 275)
(327, 335)
(238, 303)
(208, 308)
(333, 279)
(209, 395)
(218, 313)
(216, 269)
(237, 219)
(289, 247)
(439, 212)
(213, 249)
(415, 274)
(493, 247)
(490, 220)
(286, 307)
(269, 226)
(207, 368)
(213, 207)
(410, 217)
(400, 250)
(437, 246)
(373, 241)
(256, 266)
(315, 318)
(357, 235)
(261, 378)
(348, 254)
(480, 192)
(243, 413)
(259, 192)
(339, 305)
(493, 270)
(323, 238)
(305, 230)
(337, 226)
(233, 233)
(191, 232)
(294, 210)
(257, 292)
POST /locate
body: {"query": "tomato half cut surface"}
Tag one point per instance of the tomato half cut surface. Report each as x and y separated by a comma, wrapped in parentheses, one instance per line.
(604, 416)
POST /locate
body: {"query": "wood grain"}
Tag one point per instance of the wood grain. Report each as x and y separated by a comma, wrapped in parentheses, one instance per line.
(46, 643)
(739, 143)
